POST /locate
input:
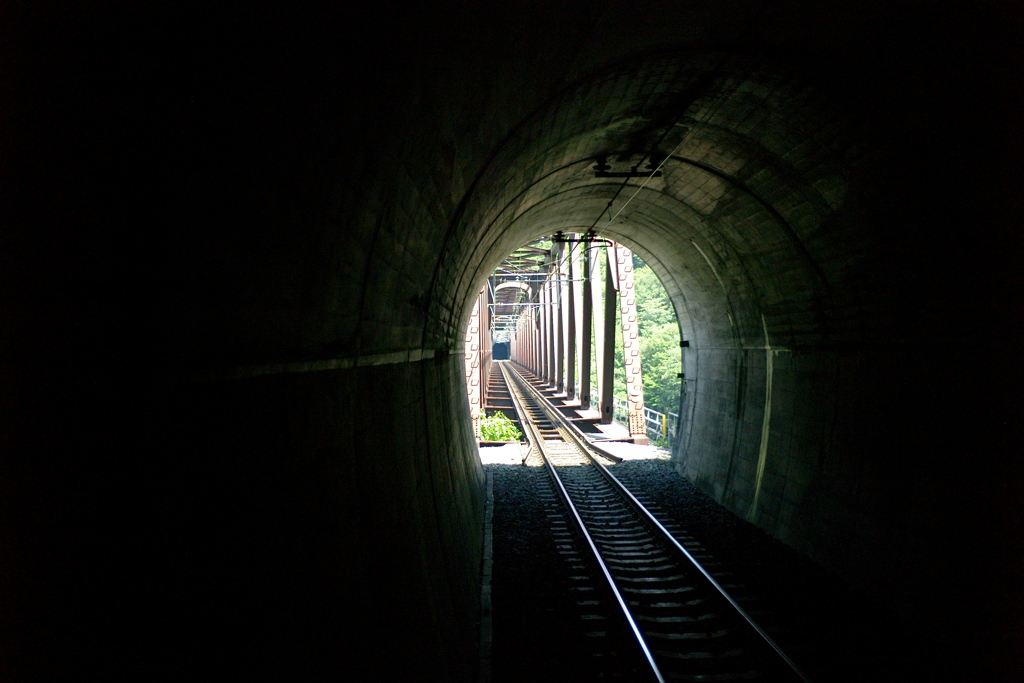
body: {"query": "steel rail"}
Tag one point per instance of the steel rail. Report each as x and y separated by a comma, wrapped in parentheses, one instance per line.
(588, 449)
(514, 391)
(639, 507)
(575, 433)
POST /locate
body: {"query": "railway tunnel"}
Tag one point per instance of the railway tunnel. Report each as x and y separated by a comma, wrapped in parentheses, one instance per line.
(241, 250)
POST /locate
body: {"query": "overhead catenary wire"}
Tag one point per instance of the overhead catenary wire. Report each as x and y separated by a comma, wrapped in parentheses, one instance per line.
(567, 258)
(710, 111)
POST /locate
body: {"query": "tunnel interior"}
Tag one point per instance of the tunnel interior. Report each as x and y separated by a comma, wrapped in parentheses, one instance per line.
(239, 271)
(500, 351)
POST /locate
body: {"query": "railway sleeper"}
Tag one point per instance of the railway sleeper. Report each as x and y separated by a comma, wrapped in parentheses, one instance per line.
(627, 556)
(701, 654)
(678, 619)
(682, 619)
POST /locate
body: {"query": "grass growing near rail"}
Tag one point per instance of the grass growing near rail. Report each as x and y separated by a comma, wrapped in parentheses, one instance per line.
(498, 427)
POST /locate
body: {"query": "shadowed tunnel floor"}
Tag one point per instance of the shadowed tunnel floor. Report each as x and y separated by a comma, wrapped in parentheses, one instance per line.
(834, 633)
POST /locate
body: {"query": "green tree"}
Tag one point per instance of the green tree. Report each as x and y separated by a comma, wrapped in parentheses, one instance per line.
(660, 358)
(497, 427)
(659, 342)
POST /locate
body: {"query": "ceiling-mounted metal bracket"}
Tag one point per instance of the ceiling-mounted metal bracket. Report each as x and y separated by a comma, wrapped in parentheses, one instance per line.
(601, 170)
(589, 237)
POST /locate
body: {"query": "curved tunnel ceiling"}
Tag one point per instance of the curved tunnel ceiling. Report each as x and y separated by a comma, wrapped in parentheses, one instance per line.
(754, 165)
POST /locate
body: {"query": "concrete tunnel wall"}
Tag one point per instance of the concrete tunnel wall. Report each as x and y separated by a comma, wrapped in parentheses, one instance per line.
(238, 273)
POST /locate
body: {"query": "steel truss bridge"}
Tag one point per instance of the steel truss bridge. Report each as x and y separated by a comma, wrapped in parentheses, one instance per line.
(542, 301)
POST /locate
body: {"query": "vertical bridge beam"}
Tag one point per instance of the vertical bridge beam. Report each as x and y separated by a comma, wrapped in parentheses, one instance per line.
(486, 343)
(530, 324)
(539, 321)
(472, 358)
(587, 326)
(549, 333)
(631, 345)
(519, 336)
(538, 339)
(559, 319)
(607, 348)
(570, 323)
(513, 341)
(526, 323)
(546, 343)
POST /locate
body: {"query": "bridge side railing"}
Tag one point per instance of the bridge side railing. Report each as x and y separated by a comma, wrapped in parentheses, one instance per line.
(662, 427)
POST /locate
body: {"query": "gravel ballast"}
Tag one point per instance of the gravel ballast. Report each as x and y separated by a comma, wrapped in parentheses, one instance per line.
(834, 633)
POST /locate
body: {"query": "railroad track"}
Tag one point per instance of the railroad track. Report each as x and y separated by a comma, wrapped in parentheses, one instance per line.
(681, 623)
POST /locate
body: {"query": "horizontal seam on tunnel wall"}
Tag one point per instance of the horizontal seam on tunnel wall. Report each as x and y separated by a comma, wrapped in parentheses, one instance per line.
(388, 358)
(777, 349)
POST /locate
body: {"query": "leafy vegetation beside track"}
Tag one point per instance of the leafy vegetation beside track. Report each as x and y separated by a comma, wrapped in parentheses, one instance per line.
(497, 427)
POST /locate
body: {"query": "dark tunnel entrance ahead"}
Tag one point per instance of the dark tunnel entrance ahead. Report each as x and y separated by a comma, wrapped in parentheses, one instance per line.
(500, 351)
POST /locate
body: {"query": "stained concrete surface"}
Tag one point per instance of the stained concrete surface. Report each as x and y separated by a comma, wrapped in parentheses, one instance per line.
(240, 244)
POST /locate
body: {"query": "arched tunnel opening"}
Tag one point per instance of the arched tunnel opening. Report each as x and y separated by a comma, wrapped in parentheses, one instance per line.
(238, 276)
(592, 319)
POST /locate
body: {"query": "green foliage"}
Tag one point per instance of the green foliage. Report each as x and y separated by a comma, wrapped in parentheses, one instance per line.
(662, 363)
(498, 427)
(652, 302)
(660, 357)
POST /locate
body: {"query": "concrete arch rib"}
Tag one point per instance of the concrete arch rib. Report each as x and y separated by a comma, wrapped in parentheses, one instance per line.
(522, 191)
(656, 209)
(782, 222)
